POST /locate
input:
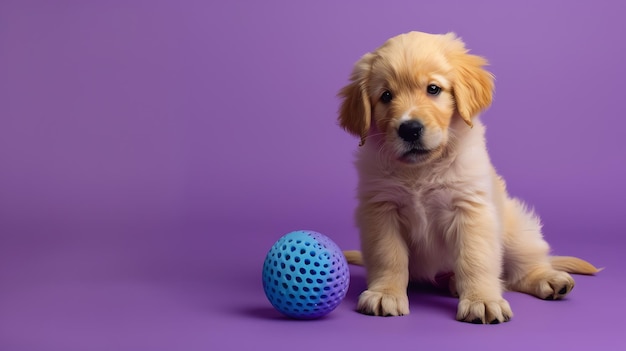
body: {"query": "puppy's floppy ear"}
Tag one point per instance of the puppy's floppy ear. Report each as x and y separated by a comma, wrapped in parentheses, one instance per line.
(355, 111)
(473, 85)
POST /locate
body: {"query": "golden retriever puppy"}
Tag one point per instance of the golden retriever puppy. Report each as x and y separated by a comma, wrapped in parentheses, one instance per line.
(430, 202)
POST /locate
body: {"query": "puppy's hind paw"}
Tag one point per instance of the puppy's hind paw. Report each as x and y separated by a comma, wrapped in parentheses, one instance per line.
(555, 286)
(385, 304)
(484, 312)
(546, 284)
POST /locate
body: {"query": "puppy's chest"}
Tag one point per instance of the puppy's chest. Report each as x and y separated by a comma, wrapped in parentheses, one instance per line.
(426, 207)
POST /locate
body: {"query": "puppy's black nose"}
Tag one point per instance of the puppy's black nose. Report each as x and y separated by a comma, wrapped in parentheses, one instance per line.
(410, 130)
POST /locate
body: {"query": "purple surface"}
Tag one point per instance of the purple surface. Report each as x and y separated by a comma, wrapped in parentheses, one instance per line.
(151, 152)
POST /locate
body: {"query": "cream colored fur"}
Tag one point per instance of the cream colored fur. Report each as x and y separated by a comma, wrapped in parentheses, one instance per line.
(443, 209)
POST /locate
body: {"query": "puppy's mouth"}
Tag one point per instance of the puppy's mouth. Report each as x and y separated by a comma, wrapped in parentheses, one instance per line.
(414, 155)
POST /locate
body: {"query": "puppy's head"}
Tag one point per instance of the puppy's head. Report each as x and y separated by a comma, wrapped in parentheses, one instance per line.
(407, 93)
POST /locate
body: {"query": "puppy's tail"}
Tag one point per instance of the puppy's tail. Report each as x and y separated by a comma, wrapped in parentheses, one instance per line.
(354, 257)
(573, 265)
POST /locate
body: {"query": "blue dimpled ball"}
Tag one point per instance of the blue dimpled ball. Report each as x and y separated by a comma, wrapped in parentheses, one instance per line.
(305, 275)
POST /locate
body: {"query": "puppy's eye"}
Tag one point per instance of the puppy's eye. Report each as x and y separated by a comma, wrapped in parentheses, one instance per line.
(386, 97)
(433, 89)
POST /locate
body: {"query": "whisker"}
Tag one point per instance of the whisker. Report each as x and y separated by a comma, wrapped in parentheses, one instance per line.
(364, 138)
(381, 155)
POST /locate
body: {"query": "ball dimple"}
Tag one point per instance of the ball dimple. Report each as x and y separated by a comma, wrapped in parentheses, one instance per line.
(305, 267)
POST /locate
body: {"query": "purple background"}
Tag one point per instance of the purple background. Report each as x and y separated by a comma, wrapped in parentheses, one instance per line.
(151, 152)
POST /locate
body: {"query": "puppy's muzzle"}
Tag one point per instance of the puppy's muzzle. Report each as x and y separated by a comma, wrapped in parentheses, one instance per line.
(411, 131)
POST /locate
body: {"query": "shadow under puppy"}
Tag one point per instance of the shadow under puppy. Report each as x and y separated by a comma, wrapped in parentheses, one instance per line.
(430, 201)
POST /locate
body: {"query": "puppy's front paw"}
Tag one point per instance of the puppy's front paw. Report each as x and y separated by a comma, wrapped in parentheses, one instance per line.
(480, 311)
(386, 304)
